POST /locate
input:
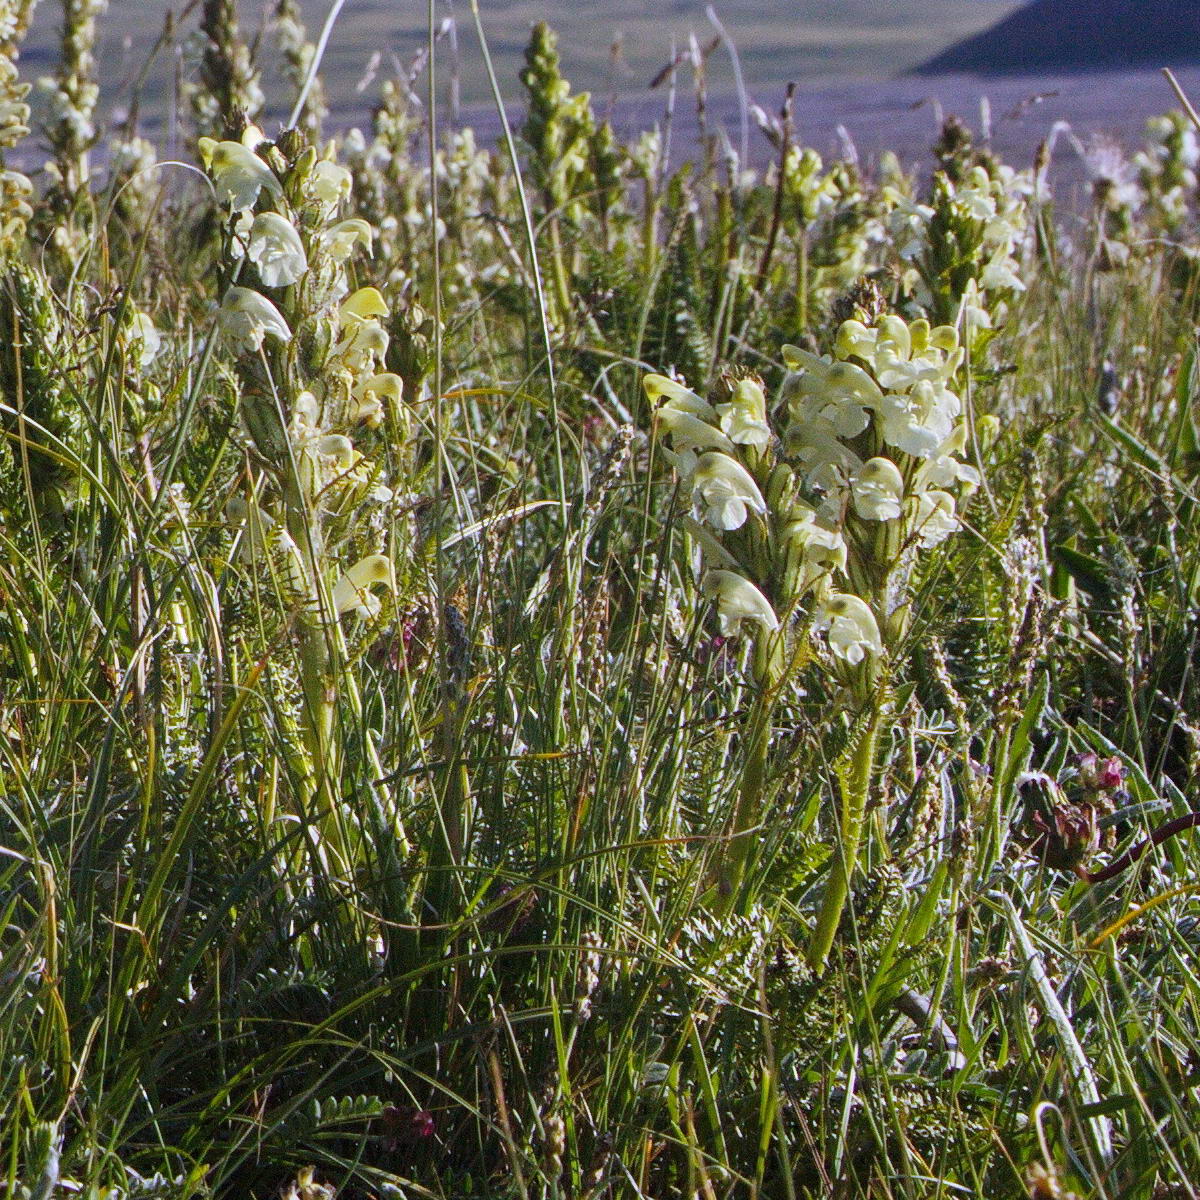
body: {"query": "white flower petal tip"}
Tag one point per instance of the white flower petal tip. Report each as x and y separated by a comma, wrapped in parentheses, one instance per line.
(352, 591)
(851, 627)
(738, 600)
(247, 317)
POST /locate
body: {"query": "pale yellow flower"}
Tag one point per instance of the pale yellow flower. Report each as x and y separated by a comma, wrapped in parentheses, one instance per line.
(851, 627)
(738, 600)
(247, 317)
(352, 591)
(238, 174)
(274, 247)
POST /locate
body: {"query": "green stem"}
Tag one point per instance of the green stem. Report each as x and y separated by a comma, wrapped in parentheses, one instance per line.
(649, 230)
(318, 676)
(443, 889)
(855, 779)
(748, 811)
(562, 283)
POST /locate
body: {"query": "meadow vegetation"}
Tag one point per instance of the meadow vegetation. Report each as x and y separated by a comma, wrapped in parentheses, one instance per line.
(539, 672)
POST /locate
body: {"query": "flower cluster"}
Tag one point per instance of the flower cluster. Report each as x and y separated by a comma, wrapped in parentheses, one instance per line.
(73, 93)
(826, 519)
(1166, 170)
(16, 191)
(229, 89)
(830, 221)
(1117, 198)
(132, 178)
(559, 127)
(960, 252)
(298, 55)
(311, 356)
(395, 189)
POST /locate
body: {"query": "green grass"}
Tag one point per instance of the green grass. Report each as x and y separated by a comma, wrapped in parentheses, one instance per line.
(512, 883)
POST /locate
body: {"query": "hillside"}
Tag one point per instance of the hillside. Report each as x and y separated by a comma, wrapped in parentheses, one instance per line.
(1078, 35)
(821, 39)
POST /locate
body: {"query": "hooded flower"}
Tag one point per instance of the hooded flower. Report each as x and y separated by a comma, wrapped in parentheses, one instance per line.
(246, 318)
(352, 591)
(370, 394)
(329, 182)
(1000, 274)
(738, 600)
(851, 626)
(727, 490)
(935, 519)
(342, 239)
(678, 397)
(920, 420)
(943, 468)
(840, 395)
(275, 248)
(238, 174)
(815, 550)
(744, 418)
(878, 490)
(363, 341)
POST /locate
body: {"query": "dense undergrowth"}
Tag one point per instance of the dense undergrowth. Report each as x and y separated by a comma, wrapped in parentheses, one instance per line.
(538, 672)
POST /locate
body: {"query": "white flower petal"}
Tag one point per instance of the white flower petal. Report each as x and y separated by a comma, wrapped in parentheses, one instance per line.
(247, 317)
(851, 627)
(677, 397)
(352, 591)
(738, 600)
(727, 490)
(276, 250)
(878, 490)
(238, 174)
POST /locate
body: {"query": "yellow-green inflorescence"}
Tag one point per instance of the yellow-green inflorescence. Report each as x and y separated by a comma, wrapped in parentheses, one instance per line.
(960, 252)
(16, 192)
(310, 354)
(824, 516)
(809, 515)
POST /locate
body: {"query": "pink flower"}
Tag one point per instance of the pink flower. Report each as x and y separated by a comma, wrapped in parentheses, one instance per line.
(1111, 774)
(1100, 775)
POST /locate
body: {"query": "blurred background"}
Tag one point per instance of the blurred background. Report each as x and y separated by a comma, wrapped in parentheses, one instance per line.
(855, 64)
